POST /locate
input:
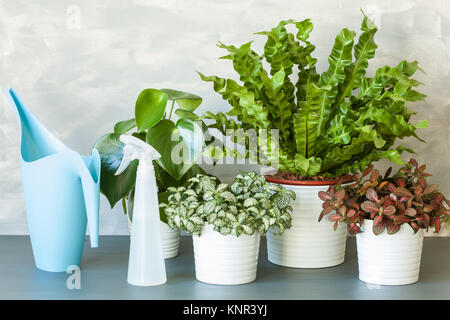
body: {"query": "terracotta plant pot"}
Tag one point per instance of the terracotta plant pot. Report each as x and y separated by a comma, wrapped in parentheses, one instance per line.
(389, 259)
(308, 243)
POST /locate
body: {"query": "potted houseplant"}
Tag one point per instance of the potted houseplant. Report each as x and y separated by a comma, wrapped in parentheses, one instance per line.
(153, 123)
(329, 125)
(388, 215)
(226, 222)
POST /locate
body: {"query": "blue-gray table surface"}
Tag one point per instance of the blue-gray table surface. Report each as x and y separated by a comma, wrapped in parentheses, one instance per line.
(104, 272)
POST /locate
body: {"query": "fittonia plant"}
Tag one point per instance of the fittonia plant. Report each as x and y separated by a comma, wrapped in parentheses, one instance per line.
(329, 124)
(249, 205)
(390, 201)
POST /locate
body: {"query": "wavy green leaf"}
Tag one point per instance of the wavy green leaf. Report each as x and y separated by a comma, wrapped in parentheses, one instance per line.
(340, 57)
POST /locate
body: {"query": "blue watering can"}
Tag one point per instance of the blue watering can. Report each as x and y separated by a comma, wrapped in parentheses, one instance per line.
(62, 191)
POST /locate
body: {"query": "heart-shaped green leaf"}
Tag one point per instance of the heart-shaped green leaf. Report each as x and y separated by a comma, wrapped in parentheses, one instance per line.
(150, 107)
(125, 126)
(178, 145)
(186, 101)
(111, 152)
(186, 114)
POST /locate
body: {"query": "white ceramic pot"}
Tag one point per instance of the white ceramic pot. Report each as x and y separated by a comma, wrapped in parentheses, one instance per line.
(308, 243)
(170, 239)
(389, 259)
(225, 260)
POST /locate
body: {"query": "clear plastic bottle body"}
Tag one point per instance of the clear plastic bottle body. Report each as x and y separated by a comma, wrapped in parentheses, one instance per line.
(146, 265)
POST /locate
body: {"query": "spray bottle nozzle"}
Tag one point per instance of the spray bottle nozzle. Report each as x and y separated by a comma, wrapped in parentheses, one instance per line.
(135, 149)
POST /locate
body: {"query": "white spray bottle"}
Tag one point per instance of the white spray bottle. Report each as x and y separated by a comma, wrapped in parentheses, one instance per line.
(146, 265)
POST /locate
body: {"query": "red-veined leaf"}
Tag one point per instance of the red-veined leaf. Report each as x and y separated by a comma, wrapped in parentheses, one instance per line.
(342, 210)
(335, 225)
(426, 220)
(421, 182)
(422, 168)
(401, 183)
(414, 226)
(401, 219)
(367, 171)
(326, 204)
(411, 212)
(379, 227)
(340, 195)
(437, 224)
(393, 228)
(334, 217)
(391, 187)
(327, 210)
(409, 204)
(382, 184)
(371, 194)
(378, 219)
(351, 213)
(403, 192)
(374, 176)
(369, 206)
(418, 190)
(430, 188)
(353, 228)
(413, 162)
(389, 210)
(324, 196)
(331, 191)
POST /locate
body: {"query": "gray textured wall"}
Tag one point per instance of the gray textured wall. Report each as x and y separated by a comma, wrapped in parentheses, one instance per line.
(79, 65)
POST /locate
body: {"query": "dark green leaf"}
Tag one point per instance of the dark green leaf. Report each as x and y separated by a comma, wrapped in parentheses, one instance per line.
(111, 152)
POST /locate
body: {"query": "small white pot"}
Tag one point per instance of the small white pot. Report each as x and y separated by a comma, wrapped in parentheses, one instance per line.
(308, 243)
(389, 259)
(225, 260)
(170, 239)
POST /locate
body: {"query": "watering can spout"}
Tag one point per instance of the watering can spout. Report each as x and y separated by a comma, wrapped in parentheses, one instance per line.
(90, 178)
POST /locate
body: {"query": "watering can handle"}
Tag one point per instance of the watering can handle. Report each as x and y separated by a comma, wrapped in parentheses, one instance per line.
(91, 191)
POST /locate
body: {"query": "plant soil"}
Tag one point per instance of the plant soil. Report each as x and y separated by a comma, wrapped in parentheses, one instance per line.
(298, 177)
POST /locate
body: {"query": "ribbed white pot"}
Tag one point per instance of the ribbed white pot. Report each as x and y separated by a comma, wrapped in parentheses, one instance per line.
(170, 239)
(308, 243)
(389, 259)
(225, 260)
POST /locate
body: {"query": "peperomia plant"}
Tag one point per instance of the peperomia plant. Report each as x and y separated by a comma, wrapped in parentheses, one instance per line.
(152, 123)
(249, 205)
(390, 201)
(329, 124)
